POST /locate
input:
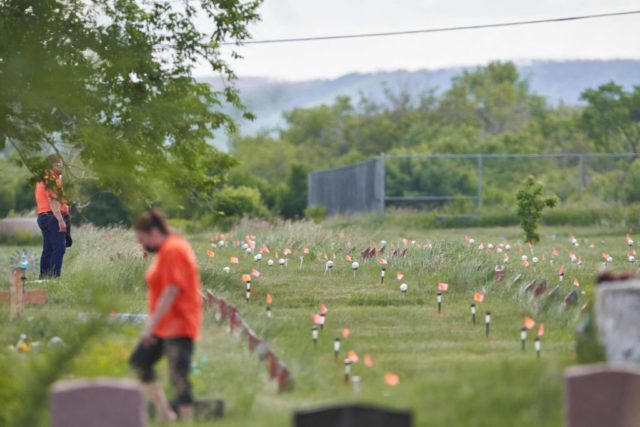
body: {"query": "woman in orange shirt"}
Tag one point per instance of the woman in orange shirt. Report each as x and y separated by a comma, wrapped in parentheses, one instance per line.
(175, 314)
(53, 218)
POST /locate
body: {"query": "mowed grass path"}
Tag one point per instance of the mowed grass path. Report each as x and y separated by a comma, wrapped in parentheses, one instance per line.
(450, 373)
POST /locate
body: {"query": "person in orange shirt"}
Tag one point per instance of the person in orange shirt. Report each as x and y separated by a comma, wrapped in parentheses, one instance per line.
(175, 314)
(53, 218)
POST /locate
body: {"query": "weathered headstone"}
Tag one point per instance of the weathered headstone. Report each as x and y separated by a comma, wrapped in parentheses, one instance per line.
(602, 396)
(353, 416)
(17, 297)
(97, 403)
(617, 313)
(540, 288)
(35, 297)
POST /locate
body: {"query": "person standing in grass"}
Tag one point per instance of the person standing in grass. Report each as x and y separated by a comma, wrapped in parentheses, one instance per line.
(175, 314)
(53, 218)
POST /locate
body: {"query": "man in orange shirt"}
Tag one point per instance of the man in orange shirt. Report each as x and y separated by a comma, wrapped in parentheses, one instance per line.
(175, 314)
(53, 218)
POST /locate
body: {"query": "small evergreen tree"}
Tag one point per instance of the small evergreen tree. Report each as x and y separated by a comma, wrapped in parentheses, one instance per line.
(531, 203)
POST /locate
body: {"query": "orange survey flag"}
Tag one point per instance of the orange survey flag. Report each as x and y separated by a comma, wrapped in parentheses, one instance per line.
(246, 277)
(368, 361)
(478, 297)
(541, 330)
(391, 379)
(399, 275)
(443, 287)
(345, 333)
(234, 260)
(529, 322)
(269, 299)
(353, 356)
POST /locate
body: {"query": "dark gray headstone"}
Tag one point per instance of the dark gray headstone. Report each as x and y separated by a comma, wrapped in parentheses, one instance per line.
(97, 403)
(353, 416)
(603, 396)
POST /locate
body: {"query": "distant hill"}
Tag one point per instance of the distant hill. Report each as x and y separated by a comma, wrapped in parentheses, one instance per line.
(557, 81)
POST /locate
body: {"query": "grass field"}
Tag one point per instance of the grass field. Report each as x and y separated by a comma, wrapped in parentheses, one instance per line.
(450, 374)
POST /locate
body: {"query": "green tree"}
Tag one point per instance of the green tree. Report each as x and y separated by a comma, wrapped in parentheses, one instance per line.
(531, 202)
(494, 97)
(111, 82)
(292, 199)
(612, 118)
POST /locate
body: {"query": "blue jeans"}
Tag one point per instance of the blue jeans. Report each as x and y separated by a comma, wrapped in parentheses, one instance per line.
(53, 245)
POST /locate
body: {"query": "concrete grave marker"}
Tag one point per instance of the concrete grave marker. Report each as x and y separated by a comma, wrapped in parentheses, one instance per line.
(617, 313)
(17, 296)
(97, 403)
(602, 395)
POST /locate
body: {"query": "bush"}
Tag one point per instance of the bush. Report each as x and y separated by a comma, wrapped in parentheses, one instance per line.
(632, 216)
(571, 216)
(531, 203)
(231, 204)
(20, 238)
(316, 213)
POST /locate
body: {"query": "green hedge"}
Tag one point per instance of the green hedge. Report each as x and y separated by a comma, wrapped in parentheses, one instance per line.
(564, 215)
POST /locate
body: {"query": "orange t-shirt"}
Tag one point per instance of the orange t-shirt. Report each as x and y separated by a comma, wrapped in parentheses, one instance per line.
(50, 190)
(175, 264)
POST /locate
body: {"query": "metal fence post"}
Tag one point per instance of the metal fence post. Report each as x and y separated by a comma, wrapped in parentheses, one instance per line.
(479, 179)
(310, 195)
(380, 176)
(583, 177)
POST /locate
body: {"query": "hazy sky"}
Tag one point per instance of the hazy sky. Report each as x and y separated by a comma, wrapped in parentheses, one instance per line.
(606, 38)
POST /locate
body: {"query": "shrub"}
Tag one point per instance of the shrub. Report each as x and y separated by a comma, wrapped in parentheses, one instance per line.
(531, 203)
(231, 204)
(20, 238)
(316, 213)
(632, 217)
(571, 216)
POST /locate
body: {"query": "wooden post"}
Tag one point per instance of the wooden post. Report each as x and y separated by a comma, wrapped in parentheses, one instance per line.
(17, 293)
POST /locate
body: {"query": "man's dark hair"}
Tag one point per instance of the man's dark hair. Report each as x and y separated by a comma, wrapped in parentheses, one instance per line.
(153, 219)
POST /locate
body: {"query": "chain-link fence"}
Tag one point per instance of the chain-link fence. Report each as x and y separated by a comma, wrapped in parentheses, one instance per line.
(471, 180)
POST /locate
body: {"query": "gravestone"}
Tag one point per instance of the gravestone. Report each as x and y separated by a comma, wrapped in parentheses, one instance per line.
(617, 314)
(602, 396)
(97, 403)
(353, 416)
